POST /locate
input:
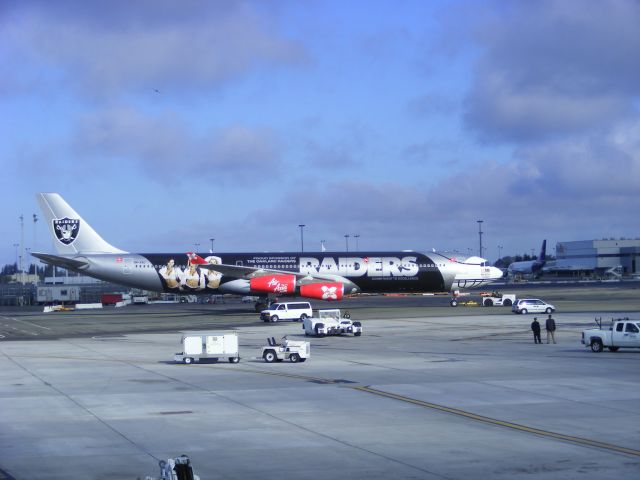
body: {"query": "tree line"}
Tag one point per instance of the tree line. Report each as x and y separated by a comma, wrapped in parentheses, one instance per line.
(10, 269)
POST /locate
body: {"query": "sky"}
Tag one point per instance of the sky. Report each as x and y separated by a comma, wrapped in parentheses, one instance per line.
(168, 123)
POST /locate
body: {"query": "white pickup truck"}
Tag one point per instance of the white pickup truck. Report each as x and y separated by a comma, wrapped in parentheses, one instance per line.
(623, 333)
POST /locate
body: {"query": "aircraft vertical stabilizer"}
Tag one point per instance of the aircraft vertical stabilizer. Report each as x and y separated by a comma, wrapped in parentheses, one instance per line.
(71, 234)
(543, 252)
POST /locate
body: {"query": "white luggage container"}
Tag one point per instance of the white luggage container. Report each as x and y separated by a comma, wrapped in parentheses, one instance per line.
(211, 346)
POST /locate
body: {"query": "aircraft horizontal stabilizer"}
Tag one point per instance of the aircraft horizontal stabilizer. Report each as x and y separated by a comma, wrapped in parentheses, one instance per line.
(64, 262)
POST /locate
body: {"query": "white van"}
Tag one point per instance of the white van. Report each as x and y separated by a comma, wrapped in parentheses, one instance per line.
(287, 311)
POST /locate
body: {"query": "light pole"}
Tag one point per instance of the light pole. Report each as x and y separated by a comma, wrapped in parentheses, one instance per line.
(499, 252)
(357, 236)
(346, 239)
(16, 245)
(21, 247)
(34, 246)
(480, 235)
(211, 240)
(35, 220)
(302, 225)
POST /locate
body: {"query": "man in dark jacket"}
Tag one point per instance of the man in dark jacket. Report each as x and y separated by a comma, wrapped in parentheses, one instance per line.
(551, 328)
(535, 327)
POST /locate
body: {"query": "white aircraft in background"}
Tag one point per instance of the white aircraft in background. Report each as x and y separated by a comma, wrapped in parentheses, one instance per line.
(320, 275)
(532, 267)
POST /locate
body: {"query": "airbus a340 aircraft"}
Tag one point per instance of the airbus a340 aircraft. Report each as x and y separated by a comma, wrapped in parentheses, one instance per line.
(324, 276)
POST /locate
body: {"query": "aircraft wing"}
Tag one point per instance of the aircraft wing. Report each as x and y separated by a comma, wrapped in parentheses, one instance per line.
(253, 272)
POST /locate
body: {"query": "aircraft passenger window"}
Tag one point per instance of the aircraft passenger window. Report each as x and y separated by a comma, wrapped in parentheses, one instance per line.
(631, 328)
(619, 327)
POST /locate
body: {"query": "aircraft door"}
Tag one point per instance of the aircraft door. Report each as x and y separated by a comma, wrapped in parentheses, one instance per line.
(630, 336)
(126, 266)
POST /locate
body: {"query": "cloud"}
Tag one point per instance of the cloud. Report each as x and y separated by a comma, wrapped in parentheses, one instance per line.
(554, 68)
(162, 145)
(107, 48)
(428, 105)
(573, 187)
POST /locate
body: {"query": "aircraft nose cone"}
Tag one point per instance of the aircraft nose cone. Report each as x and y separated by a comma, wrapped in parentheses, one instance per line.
(496, 272)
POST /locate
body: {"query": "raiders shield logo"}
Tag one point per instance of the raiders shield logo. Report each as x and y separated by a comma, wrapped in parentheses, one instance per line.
(66, 229)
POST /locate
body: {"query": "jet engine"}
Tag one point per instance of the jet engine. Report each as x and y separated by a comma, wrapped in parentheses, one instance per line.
(281, 284)
(323, 291)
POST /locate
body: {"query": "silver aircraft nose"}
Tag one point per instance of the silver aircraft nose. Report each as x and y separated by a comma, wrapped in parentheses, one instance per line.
(495, 273)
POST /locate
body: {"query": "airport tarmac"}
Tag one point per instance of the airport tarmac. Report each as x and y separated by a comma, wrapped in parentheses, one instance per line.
(428, 391)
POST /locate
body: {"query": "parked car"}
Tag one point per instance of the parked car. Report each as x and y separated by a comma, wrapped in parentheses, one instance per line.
(532, 305)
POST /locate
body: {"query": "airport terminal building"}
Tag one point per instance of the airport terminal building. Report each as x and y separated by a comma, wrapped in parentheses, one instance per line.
(613, 256)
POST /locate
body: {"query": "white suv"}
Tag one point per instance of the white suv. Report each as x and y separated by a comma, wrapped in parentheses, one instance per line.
(533, 305)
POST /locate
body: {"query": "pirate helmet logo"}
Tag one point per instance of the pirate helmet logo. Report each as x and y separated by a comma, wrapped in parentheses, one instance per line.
(66, 229)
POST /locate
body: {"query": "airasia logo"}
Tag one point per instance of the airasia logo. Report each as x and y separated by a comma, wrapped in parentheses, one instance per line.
(276, 287)
(281, 284)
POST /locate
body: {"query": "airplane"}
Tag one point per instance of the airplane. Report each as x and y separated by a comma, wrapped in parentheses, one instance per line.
(320, 275)
(529, 266)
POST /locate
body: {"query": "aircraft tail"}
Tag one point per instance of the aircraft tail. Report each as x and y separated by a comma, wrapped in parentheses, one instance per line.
(543, 252)
(71, 234)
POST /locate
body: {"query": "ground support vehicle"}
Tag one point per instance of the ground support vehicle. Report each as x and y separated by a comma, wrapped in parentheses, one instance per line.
(286, 350)
(497, 299)
(287, 311)
(622, 333)
(176, 469)
(464, 303)
(493, 299)
(212, 346)
(330, 322)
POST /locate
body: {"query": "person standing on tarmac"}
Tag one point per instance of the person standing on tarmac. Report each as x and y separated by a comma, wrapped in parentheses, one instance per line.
(550, 325)
(535, 327)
